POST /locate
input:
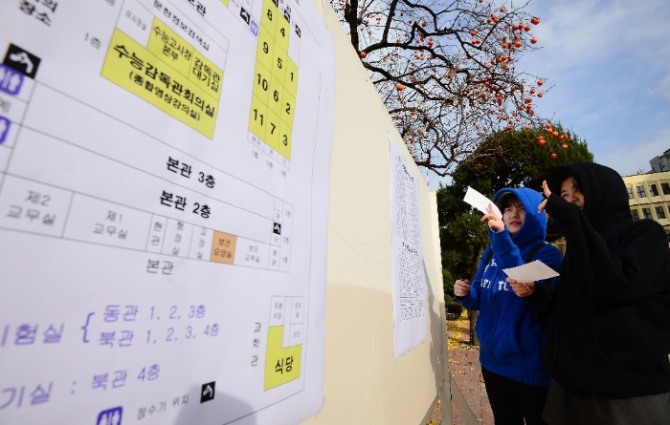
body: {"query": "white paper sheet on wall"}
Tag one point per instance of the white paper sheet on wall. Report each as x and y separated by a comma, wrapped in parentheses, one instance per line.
(409, 279)
(163, 188)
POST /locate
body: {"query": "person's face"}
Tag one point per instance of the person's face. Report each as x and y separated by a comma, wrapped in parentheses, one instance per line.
(514, 216)
(571, 193)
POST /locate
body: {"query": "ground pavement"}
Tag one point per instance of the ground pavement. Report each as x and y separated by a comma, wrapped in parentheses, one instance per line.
(467, 375)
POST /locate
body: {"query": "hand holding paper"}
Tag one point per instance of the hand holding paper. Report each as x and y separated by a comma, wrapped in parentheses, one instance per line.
(480, 202)
(531, 272)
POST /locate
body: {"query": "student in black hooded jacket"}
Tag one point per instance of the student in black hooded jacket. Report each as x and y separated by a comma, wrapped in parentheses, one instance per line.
(608, 348)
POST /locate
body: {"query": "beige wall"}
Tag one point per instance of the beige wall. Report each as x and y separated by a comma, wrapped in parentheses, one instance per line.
(364, 383)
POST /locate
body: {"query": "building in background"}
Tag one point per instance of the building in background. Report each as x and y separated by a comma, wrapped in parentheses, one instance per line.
(649, 195)
(661, 163)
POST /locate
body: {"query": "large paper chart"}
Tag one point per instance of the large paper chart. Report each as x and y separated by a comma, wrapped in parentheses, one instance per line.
(163, 211)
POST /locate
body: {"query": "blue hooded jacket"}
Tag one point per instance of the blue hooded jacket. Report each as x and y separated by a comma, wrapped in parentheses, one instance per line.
(511, 341)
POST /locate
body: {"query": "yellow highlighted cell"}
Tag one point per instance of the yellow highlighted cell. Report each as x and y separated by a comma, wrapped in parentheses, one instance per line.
(169, 47)
(282, 34)
(166, 44)
(284, 145)
(258, 117)
(270, 16)
(291, 77)
(287, 109)
(278, 65)
(262, 78)
(272, 130)
(275, 96)
(266, 47)
(134, 68)
(282, 365)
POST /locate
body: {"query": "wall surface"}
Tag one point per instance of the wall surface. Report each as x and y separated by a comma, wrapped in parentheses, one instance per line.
(364, 382)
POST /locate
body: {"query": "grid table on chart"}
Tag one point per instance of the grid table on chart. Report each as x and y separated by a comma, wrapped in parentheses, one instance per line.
(275, 83)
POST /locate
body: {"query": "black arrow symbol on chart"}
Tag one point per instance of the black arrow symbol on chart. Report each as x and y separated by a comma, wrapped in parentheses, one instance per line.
(22, 61)
(207, 392)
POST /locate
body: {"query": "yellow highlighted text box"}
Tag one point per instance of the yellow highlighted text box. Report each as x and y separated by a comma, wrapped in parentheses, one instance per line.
(131, 66)
(180, 55)
(282, 365)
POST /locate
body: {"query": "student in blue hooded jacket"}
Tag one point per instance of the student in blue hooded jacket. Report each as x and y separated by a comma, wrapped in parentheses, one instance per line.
(511, 341)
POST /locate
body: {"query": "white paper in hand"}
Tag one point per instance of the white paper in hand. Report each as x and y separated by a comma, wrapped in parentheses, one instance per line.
(480, 202)
(531, 272)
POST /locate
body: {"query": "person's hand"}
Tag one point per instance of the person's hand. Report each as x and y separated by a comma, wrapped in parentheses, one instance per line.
(546, 193)
(495, 223)
(462, 287)
(521, 289)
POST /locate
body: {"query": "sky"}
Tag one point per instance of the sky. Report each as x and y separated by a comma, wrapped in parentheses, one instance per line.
(606, 64)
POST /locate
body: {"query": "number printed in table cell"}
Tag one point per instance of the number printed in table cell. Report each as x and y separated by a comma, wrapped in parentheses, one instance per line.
(272, 130)
(288, 103)
(278, 65)
(262, 84)
(269, 18)
(290, 77)
(258, 117)
(282, 34)
(275, 98)
(266, 48)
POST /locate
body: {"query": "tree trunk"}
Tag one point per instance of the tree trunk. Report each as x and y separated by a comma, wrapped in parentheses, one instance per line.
(472, 318)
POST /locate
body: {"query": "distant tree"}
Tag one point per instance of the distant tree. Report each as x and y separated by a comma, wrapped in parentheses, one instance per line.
(468, 238)
(521, 158)
(446, 70)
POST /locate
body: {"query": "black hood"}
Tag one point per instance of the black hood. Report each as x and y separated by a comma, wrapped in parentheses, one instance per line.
(605, 196)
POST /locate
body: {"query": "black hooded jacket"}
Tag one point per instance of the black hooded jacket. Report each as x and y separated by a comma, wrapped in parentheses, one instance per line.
(609, 321)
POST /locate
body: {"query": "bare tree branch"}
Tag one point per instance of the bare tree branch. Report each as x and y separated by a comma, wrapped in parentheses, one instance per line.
(446, 70)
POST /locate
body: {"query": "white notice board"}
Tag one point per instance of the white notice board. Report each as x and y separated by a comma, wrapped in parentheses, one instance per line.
(163, 200)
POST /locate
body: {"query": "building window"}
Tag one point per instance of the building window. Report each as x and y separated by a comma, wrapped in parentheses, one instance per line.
(646, 212)
(636, 215)
(630, 192)
(653, 190)
(660, 213)
(666, 188)
(640, 192)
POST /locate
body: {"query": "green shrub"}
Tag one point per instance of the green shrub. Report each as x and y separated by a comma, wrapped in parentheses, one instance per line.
(454, 310)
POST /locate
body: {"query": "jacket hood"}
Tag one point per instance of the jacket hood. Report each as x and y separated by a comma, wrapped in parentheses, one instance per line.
(605, 196)
(535, 224)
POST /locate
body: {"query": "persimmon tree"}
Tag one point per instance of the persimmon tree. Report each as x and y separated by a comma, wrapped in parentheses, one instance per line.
(520, 158)
(446, 70)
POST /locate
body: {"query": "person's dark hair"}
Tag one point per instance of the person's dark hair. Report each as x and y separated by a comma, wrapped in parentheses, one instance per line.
(507, 199)
(575, 182)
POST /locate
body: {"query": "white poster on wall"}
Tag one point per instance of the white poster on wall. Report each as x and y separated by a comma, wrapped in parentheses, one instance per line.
(164, 172)
(409, 280)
